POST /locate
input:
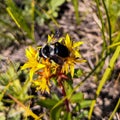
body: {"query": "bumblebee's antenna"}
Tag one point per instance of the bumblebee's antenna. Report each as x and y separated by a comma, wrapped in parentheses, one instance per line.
(58, 32)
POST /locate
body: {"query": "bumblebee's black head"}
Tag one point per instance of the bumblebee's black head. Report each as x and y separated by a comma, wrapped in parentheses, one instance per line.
(46, 51)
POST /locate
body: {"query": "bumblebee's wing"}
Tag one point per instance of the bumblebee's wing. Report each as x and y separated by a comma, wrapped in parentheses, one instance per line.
(57, 59)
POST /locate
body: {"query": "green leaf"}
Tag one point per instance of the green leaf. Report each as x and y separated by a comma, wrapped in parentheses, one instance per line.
(67, 116)
(2, 107)
(85, 103)
(105, 77)
(54, 96)
(48, 103)
(56, 3)
(115, 109)
(76, 6)
(82, 115)
(16, 14)
(2, 116)
(78, 73)
(77, 97)
(56, 113)
(68, 87)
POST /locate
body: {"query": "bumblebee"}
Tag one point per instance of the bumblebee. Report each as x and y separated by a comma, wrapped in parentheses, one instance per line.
(56, 52)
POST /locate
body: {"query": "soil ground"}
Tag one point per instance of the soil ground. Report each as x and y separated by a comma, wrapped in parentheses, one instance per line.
(87, 31)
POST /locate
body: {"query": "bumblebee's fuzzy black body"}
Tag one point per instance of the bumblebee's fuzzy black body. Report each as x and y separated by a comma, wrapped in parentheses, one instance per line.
(56, 52)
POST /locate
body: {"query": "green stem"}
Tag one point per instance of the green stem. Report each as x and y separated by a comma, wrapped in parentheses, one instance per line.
(102, 29)
(108, 20)
(32, 14)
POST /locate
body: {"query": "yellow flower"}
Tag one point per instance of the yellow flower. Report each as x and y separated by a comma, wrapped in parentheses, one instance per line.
(42, 83)
(74, 58)
(69, 65)
(32, 62)
(44, 75)
(46, 69)
(52, 66)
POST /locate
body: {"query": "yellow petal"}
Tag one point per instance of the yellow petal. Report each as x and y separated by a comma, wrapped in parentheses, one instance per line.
(44, 86)
(32, 50)
(31, 74)
(50, 38)
(66, 68)
(26, 65)
(36, 82)
(61, 39)
(76, 44)
(28, 54)
(68, 43)
(32, 71)
(80, 61)
(39, 66)
(76, 53)
(36, 55)
(72, 70)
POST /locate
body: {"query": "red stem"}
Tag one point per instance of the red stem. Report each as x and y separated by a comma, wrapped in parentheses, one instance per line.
(63, 91)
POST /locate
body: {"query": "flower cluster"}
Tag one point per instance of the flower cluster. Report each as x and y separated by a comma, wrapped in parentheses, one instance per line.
(42, 70)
